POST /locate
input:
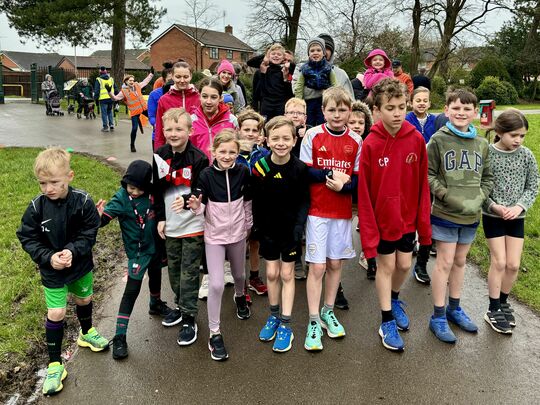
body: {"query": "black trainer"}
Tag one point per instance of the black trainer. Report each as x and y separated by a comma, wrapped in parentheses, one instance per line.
(498, 322)
(159, 308)
(341, 302)
(371, 270)
(173, 318)
(420, 273)
(188, 331)
(507, 311)
(120, 347)
(217, 348)
(242, 308)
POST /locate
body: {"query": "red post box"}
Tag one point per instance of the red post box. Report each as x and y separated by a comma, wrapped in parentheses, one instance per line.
(486, 113)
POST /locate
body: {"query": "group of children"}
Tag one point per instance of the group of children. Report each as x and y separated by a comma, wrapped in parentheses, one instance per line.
(214, 189)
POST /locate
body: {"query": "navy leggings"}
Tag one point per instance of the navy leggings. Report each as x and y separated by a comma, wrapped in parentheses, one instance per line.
(135, 126)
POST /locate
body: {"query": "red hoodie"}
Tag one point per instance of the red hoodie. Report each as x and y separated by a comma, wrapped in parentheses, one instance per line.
(393, 189)
(187, 99)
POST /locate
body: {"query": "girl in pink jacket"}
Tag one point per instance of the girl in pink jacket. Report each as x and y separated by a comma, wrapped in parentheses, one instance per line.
(225, 201)
(181, 95)
(378, 67)
(211, 116)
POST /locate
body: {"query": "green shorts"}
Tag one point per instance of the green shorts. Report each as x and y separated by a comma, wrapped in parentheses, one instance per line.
(82, 288)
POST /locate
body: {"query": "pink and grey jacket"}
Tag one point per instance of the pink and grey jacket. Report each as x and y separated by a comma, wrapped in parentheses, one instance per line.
(226, 204)
(373, 76)
(205, 129)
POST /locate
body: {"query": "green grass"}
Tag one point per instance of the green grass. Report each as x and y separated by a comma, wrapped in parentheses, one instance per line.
(527, 287)
(22, 307)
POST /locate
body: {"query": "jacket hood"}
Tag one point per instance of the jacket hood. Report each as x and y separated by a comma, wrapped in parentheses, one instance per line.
(378, 130)
(380, 52)
(105, 76)
(138, 174)
(189, 91)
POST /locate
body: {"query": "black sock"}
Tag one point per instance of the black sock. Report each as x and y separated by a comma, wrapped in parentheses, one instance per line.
(154, 280)
(54, 333)
(387, 316)
(494, 304)
(131, 292)
(423, 254)
(504, 298)
(453, 303)
(274, 310)
(439, 312)
(253, 274)
(395, 295)
(84, 313)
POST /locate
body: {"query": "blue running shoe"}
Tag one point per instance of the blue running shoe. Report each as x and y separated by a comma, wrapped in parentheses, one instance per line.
(333, 328)
(402, 320)
(313, 337)
(390, 336)
(461, 319)
(268, 332)
(441, 329)
(284, 339)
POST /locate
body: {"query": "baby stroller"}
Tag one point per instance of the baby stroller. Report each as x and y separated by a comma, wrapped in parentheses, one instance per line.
(52, 102)
(88, 108)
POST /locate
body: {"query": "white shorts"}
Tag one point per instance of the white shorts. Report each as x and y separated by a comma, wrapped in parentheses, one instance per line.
(328, 238)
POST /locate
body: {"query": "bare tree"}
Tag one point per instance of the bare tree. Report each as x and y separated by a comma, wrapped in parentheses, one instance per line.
(450, 18)
(200, 17)
(280, 20)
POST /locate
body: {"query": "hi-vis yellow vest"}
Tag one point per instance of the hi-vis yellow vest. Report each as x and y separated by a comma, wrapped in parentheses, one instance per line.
(103, 93)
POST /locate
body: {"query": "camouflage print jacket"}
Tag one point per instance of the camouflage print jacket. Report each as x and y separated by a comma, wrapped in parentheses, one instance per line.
(459, 175)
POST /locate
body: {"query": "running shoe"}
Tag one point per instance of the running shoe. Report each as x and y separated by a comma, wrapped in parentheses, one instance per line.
(441, 329)
(402, 320)
(329, 322)
(56, 373)
(120, 347)
(284, 339)
(362, 261)
(461, 319)
(299, 272)
(341, 302)
(242, 308)
(313, 340)
(388, 331)
(188, 331)
(203, 290)
(507, 310)
(257, 285)
(420, 273)
(268, 332)
(93, 340)
(159, 308)
(498, 322)
(217, 348)
(228, 278)
(174, 318)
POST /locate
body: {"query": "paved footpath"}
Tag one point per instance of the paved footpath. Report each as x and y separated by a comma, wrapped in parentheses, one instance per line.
(486, 368)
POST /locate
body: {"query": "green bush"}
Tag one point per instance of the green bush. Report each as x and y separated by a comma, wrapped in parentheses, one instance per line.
(501, 91)
(528, 90)
(489, 66)
(352, 66)
(438, 85)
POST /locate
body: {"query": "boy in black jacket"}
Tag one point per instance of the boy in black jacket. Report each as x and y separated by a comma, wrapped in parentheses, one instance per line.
(58, 231)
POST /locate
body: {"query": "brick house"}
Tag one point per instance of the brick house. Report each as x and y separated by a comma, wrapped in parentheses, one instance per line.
(201, 48)
(21, 61)
(90, 64)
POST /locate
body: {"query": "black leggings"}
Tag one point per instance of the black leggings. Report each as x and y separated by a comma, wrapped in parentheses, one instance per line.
(135, 125)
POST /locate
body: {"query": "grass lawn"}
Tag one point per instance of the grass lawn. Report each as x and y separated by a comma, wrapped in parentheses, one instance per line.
(527, 287)
(22, 306)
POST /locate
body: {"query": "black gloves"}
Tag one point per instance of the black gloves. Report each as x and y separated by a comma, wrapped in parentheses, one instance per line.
(152, 69)
(108, 88)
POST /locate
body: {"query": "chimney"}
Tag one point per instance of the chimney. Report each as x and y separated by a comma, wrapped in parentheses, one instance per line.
(228, 29)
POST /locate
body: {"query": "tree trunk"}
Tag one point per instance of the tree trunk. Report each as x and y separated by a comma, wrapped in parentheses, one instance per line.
(118, 52)
(448, 33)
(415, 45)
(294, 22)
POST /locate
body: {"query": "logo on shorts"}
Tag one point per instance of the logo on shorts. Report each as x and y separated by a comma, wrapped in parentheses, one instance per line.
(411, 158)
(312, 248)
(348, 251)
(278, 176)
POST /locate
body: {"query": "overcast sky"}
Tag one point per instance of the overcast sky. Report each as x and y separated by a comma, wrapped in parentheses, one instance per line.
(236, 15)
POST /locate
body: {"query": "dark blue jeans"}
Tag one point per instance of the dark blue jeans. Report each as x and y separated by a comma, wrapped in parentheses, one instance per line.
(314, 112)
(106, 107)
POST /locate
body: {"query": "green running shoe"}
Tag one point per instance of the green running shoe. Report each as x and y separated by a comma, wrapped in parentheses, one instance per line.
(93, 340)
(313, 337)
(333, 328)
(56, 373)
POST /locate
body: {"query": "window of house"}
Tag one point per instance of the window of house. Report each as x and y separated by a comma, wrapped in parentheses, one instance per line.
(229, 54)
(244, 56)
(214, 54)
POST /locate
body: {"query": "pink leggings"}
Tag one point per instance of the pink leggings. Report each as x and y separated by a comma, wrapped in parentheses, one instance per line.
(215, 258)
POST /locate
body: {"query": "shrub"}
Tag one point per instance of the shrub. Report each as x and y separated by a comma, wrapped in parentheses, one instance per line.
(501, 91)
(352, 66)
(488, 66)
(438, 85)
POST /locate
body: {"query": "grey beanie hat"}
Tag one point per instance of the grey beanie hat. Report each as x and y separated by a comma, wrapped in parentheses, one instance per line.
(316, 41)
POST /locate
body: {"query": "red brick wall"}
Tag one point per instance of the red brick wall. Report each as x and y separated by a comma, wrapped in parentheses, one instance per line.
(175, 44)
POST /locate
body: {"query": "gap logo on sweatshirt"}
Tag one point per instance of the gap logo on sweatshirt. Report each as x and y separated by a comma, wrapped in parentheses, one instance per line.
(462, 160)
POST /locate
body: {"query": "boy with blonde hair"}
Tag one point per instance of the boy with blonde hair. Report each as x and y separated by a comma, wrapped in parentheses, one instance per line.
(332, 153)
(176, 171)
(58, 230)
